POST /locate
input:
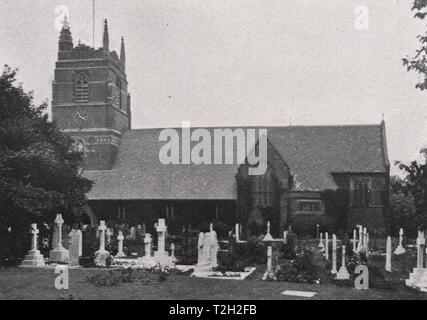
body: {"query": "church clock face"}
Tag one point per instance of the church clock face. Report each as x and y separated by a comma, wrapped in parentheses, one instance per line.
(80, 117)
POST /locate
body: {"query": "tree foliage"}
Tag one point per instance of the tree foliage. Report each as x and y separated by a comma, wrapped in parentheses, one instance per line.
(415, 186)
(402, 211)
(39, 175)
(418, 62)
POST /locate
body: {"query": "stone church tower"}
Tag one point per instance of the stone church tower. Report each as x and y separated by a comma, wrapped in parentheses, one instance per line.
(90, 99)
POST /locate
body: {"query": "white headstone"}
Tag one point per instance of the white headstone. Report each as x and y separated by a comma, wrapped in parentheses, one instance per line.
(343, 273)
(421, 241)
(102, 228)
(147, 242)
(102, 255)
(269, 274)
(285, 237)
(326, 246)
(74, 249)
(58, 254)
(161, 236)
(321, 246)
(207, 253)
(237, 232)
(173, 250)
(120, 238)
(133, 233)
(34, 258)
(268, 236)
(418, 277)
(334, 254)
(108, 234)
(388, 255)
(400, 249)
(80, 237)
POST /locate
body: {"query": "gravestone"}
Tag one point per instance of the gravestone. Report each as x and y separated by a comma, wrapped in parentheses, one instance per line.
(354, 240)
(268, 236)
(269, 273)
(207, 253)
(285, 237)
(108, 234)
(74, 254)
(147, 261)
(400, 249)
(133, 233)
(418, 277)
(120, 238)
(34, 258)
(161, 256)
(360, 242)
(343, 273)
(58, 254)
(173, 252)
(321, 246)
(237, 232)
(388, 255)
(326, 246)
(334, 254)
(80, 235)
(102, 255)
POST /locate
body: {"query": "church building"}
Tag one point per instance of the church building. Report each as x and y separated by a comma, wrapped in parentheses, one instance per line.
(334, 176)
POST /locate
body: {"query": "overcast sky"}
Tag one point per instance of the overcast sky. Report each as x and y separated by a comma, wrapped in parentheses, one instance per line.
(246, 62)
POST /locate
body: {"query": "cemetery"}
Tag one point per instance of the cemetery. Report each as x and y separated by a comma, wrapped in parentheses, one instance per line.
(325, 265)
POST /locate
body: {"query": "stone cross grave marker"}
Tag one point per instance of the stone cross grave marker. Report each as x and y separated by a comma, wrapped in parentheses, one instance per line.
(109, 234)
(58, 254)
(34, 258)
(268, 236)
(120, 238)
(102, 228)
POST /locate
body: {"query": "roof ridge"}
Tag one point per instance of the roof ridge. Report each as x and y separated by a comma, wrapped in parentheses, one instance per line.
(260, 126)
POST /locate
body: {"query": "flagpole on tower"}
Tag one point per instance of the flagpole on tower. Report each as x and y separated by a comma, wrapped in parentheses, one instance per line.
(93, 26)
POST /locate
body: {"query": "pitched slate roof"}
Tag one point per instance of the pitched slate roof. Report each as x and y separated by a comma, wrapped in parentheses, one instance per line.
(312, 153)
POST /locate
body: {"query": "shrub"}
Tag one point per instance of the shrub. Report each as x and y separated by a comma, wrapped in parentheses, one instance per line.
(302, 269)
(187, 254)
(229, 262)
(355, 260)
(288, 249)
(254, 251)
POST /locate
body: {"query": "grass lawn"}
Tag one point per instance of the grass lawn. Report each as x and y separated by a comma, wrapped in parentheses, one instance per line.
(18, 283)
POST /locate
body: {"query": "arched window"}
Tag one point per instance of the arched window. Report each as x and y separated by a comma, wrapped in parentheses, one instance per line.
(262, 190)
(118, 95)
(361, 191)
(82, 88)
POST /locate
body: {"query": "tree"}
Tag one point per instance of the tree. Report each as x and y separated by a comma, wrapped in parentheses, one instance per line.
(416, 184)
(39, 172)
(402, 212)
(418, 62)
